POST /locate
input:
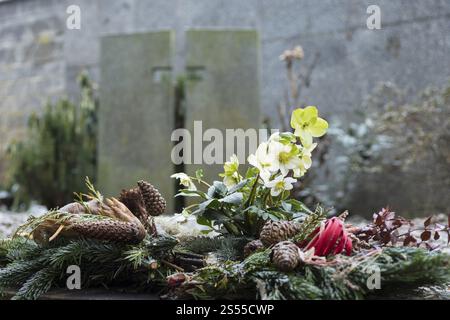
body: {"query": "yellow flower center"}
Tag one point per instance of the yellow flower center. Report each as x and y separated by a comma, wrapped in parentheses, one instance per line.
(279, 185)
(284, 157)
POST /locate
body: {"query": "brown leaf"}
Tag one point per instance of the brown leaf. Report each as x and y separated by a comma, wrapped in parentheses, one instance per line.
(426, 235)
(427, 222)
(436, 235)
(385, 237)
(397, 223)
(408, 240)
(379, 220)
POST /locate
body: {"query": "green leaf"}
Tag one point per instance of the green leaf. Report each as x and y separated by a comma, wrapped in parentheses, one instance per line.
(221, 188)
(238, 186)
(234, 198)
(211, 203)
(204, 222)
(296, 206)
(199, 174)
(191, 193)
(251, 172)
(216, 217)
(274, 217)
(286, 206)
(287, 138)
(217, 190)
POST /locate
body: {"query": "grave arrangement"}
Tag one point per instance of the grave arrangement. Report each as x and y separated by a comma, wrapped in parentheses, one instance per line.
(255, 243)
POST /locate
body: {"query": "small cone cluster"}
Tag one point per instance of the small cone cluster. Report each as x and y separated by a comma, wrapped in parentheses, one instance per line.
(276, 231)
(252, 246)
(285, 256)
(329, 239)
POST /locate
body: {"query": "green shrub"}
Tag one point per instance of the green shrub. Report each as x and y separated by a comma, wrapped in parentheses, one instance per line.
(58, 152)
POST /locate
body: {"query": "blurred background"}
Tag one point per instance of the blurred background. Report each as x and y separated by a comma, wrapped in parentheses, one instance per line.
(102, 101)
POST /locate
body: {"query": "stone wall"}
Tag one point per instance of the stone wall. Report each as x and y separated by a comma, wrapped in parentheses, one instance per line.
(39, 57)
(32, 67)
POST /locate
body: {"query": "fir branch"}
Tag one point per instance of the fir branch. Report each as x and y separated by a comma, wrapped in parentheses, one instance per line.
(34, 269)
(16, 273)
(37, 285)
(342, 278)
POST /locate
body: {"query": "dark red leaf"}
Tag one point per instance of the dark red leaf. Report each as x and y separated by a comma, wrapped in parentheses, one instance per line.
(427, 222)
(436, 235)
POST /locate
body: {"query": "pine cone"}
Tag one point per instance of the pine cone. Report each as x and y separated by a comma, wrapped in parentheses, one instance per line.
(119, 224)
(110, 230)
(132, 199)
(276, 231)
(252, 246)
(285, 256)
(153, 200)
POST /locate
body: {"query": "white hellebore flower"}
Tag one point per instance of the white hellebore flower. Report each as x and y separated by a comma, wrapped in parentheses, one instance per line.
(262, 160)
(280, 184)
(285, 157)
(185, 180)
(231, 175)
(305, 160)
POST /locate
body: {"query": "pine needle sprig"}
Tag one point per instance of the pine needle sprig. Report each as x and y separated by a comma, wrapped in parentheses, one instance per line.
(311, 222)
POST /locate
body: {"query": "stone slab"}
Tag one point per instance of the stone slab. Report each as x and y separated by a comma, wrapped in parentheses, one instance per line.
(223, 93)
(136, 112)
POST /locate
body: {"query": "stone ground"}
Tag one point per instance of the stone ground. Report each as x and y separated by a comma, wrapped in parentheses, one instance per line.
(9, 220)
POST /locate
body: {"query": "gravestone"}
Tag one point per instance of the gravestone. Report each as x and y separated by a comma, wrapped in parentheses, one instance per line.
(136, 112)
(222, 90)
